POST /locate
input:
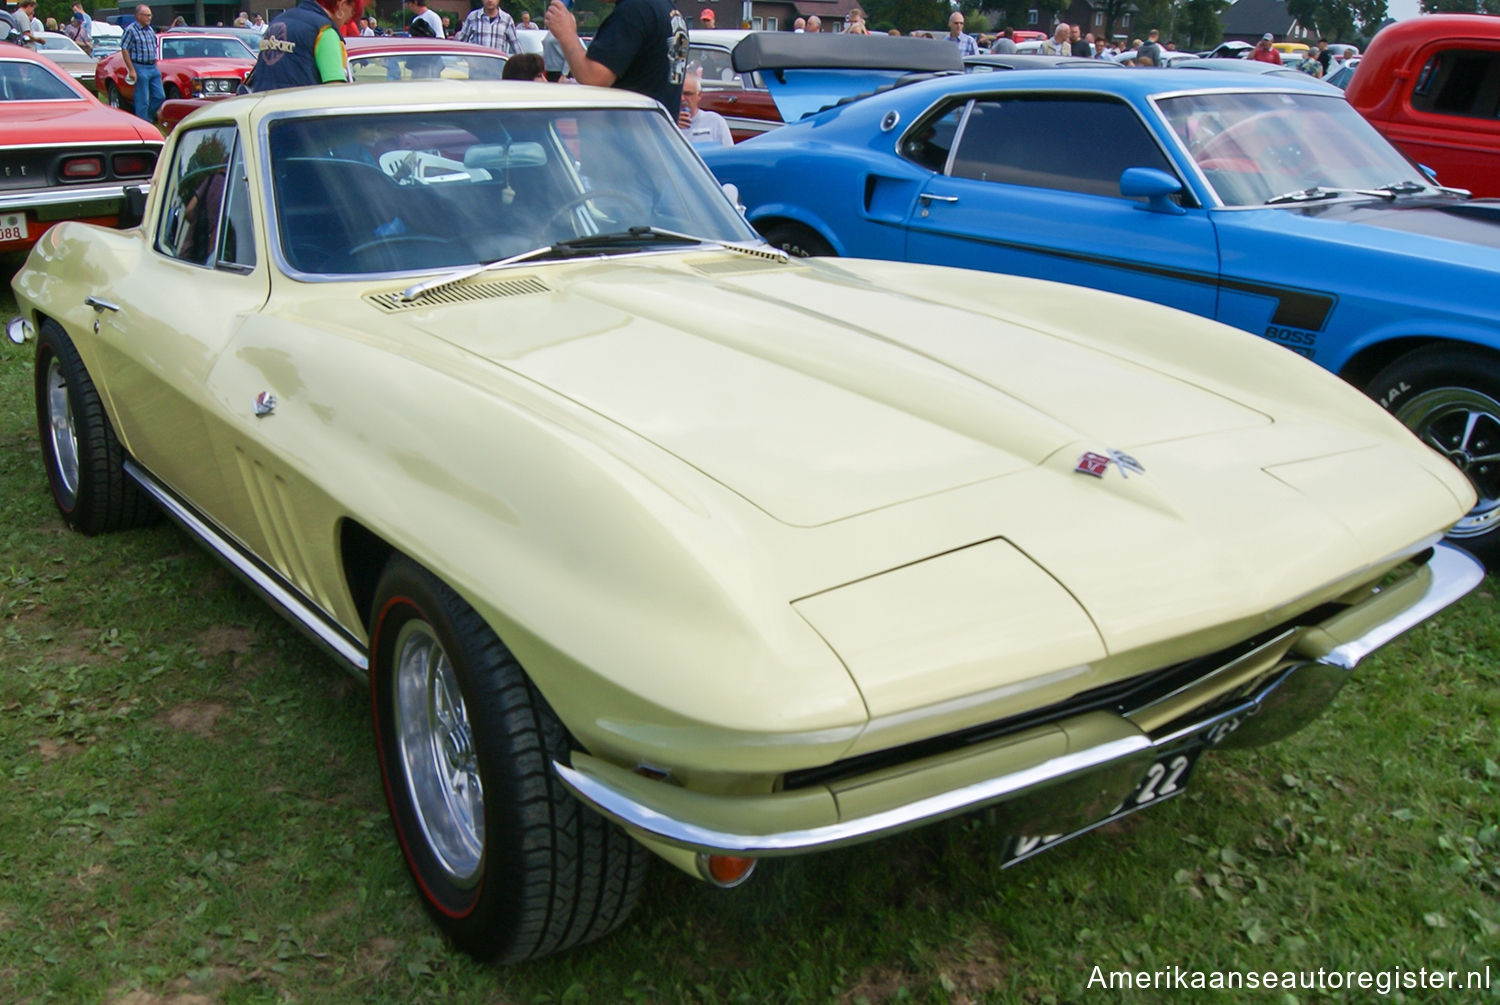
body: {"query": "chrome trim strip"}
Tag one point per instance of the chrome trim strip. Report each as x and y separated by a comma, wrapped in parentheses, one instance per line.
(84, 148)
(946, 804)
(61, 196)
(1454, 573)
(285, 600)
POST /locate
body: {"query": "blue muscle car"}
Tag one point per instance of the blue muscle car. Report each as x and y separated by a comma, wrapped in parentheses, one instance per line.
(1265, 203)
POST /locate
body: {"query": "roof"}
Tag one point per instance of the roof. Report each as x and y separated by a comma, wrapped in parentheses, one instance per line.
(411, 94)
(1256, 17)
(781, 50)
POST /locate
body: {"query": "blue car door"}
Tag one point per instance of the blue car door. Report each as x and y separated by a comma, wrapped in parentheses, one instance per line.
(1031, 187)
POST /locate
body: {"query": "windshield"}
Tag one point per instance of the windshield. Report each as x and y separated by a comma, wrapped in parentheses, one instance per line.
(26, 81)
(1256, 146)
(423, 191)
(374, 69)
(190, 47)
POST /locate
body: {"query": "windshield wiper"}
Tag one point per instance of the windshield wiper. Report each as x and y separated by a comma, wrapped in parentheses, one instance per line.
(1408, 187)
(576, 247)
(1316, 193)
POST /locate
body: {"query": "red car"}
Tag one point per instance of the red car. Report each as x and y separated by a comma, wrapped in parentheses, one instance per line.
(381, 59)
(63, 156)
(192, 66)
(1432, 86)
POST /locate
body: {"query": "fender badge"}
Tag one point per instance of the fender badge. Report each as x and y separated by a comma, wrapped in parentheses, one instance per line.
(1096, 464)
(265, 404)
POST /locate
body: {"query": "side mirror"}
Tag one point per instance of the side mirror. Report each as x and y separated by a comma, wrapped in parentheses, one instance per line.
(733, 192)
(1153, 185)
(135, 207)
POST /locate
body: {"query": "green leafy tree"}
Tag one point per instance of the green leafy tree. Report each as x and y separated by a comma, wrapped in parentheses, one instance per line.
(1339, 20)
(908, 15)
(1198, 24)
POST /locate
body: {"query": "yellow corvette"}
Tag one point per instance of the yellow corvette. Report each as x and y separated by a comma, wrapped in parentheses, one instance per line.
(648, 537)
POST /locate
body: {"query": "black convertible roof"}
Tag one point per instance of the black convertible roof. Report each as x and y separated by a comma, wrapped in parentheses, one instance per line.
(784, 50)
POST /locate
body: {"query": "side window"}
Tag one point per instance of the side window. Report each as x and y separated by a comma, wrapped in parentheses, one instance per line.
(715, 63)
(1460, 82)
(1052, 142)
(930, 140)
(194, 203)
(237, 242)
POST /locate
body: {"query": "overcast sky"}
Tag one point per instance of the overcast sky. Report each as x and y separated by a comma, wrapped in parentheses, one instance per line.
(1402, 9)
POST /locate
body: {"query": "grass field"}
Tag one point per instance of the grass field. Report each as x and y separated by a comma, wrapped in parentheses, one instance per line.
(190, 812)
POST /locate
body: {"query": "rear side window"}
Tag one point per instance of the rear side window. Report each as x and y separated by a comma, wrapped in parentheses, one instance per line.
(1055, 142)
(1462, 82)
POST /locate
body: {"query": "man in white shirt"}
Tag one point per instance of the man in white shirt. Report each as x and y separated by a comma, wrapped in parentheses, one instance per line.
(701, 128)
(421, 12)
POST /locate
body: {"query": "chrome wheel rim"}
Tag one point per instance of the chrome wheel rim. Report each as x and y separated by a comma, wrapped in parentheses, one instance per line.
(437, 753)
(63, 432)
(1464, 426)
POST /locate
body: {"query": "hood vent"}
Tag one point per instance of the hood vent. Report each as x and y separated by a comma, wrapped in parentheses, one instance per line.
(460, 293)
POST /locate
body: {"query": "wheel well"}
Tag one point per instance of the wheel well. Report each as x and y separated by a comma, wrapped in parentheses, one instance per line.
(364, 555)
(1364, 365)
(766, 222)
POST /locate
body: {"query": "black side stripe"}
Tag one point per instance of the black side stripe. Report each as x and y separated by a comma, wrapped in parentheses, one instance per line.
(1295, 308)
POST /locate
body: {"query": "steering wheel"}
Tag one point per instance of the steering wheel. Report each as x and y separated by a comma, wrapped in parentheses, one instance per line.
(582, 198)
(395, 240)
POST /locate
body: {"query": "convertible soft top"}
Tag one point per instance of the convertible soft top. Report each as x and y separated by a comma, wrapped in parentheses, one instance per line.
(773, 50)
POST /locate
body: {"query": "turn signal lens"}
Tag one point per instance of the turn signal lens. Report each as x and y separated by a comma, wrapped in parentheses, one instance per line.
(133, 165)
(725, 871)
(75, 168)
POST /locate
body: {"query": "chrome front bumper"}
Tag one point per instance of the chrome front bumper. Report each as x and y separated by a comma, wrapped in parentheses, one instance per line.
(1049, 779)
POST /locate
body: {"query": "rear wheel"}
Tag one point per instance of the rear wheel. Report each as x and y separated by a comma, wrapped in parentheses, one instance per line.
(84, 460)
(797, 240)
(509, 864)
(1451, 399)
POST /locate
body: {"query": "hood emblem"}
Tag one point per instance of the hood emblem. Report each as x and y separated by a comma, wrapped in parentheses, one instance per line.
(265, 404)
(1096, 464)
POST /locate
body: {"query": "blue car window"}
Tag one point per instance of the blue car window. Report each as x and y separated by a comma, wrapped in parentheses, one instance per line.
(1052, 142)
(929, 142)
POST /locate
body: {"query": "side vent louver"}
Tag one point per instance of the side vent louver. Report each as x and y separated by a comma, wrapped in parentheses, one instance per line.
(459, 293)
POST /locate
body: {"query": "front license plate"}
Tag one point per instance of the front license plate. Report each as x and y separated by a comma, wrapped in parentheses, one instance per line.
(12, 227)
(1166, 777)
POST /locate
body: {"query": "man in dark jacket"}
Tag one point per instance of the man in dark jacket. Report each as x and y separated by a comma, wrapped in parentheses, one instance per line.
(641, 46)
(303, 46)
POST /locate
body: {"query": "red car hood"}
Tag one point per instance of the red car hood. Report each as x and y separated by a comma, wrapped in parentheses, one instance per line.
(202, 67)
(82, 121)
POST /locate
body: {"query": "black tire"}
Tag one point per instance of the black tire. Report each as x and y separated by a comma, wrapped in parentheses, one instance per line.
(169, 92)
(1451, 399)
(509, 864)
(84, 460)
(111, 95)
(797, 240)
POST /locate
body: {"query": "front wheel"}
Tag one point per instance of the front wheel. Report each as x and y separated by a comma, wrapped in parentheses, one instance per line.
(1451, 399)
(84, 460)
(508, 864)
(797, 240)
(111, 95)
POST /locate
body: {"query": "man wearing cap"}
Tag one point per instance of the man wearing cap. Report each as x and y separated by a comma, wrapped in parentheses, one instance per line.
(80, 28)
(706, 19)
(490, 27)
(1265, 52)
(642, 46)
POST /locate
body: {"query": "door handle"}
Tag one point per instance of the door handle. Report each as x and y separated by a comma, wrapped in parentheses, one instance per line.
(929, 197)
(100, 305)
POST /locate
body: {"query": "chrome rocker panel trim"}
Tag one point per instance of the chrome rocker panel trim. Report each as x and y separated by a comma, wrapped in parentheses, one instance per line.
(1298, 693)
(283, 598)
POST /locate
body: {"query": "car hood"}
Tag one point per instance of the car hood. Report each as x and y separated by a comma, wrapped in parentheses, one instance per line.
(71, 123)
(1473, 222)
(818, 396)
(205, 67)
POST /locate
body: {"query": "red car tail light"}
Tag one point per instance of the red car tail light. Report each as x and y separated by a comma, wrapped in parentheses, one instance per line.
(133, 165)
(76, 168)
